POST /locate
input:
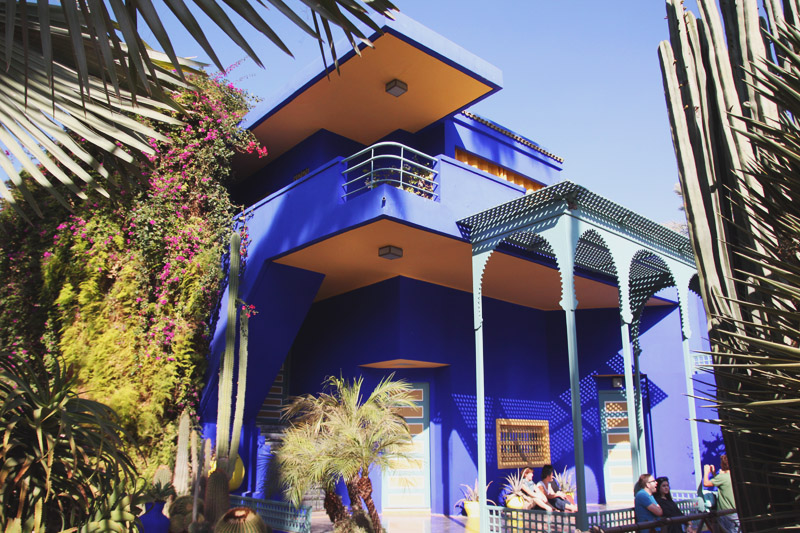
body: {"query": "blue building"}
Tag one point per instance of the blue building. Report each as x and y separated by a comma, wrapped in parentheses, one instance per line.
(383, 208)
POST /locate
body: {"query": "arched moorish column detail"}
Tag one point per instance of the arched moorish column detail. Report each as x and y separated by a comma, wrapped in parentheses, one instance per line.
(479, 261)
(563, 238)
(649, 274)
(621, 251)
(561, 213)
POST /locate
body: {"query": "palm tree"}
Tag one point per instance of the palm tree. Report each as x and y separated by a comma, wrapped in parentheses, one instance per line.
(734, 123)
(339, 436)
(79, 69)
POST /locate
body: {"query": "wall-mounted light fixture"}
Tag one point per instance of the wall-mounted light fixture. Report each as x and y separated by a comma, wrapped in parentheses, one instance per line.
(617, 382)
(396, 87)
(390, 252)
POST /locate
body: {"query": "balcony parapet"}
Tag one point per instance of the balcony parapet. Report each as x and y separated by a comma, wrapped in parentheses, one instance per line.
(394, 164)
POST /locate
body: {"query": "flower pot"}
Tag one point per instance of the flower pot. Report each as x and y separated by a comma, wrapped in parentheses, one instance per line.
(515, 502)
(472, 508)
(153, 520)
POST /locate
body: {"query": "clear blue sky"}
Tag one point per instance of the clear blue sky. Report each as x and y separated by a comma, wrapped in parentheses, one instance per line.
(581, 78)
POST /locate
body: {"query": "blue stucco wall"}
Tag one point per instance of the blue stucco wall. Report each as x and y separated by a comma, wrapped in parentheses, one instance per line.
(526, 372)
(440, 138)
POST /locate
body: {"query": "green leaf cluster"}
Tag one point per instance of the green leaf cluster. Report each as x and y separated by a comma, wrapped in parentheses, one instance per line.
(339, 436)
(122, 288)
(63, 462)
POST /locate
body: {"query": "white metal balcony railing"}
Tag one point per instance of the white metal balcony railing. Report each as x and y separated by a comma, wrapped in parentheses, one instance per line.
(392, 163)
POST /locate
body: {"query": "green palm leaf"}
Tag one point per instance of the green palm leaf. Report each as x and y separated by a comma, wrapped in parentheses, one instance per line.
(84, 69)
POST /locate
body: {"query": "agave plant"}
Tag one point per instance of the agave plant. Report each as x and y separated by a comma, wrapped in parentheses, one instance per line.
(734, 122)
(472, 494)
(513, 486)
(80, 67)
(62, 462)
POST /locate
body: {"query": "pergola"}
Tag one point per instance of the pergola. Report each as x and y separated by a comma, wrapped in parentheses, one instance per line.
(570, 226)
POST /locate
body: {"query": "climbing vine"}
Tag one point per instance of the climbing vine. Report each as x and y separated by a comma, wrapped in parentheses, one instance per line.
(123, 289)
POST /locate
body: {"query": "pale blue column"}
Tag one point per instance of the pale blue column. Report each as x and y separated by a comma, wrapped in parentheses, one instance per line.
(577, 422)
(478, 266)
(688, 366)
(639, 414)
(630, 392)
(565, 252)
(683, 277)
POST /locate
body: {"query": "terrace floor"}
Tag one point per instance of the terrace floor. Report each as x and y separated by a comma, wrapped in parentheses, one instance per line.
(417, 522)
(408, 522)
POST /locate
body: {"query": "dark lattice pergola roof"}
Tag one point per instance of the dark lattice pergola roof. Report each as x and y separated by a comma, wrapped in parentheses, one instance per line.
(592, 253)
(569, 227)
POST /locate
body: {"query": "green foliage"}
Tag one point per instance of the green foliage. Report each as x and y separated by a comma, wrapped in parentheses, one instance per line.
(62, 462)
(339, 436)
(123, 289)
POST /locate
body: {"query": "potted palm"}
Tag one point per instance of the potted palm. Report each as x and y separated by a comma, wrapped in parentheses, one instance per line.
(470, 502)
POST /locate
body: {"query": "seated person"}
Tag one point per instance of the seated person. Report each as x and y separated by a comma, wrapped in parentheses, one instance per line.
(646, 509)
(668, 506)
(533, 498)
(555, 496)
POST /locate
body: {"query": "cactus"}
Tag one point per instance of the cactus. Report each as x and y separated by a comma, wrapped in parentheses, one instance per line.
(195, 464)
(227, 449)
(241, 520)
(241, 386)
(162, 477)
(207, 457)
(217, 497)
(226, 371)
(181, 514)
(180, 479)
(200, 527)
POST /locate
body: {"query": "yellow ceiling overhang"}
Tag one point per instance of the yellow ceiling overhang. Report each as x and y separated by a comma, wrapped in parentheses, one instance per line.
(355, 103)
(350, 260)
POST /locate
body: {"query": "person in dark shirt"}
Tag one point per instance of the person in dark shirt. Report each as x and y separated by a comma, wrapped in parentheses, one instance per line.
(668, 506)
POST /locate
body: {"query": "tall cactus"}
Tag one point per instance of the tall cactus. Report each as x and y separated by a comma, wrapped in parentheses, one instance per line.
(226, 371)
(195, 464)
(733, 105)
(244, 321)
(180, 478)
(217, 497)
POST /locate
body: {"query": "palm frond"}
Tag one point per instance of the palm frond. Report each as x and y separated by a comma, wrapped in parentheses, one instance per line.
(80, 68)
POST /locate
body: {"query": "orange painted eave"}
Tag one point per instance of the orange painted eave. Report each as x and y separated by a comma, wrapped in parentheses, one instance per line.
(350, 261)
(355, 104)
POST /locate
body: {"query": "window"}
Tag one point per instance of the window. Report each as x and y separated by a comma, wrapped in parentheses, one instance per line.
(522, 443)
(496, 170)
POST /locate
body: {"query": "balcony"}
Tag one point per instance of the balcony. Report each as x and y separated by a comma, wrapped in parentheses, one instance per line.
(385, 181)
(393, 164)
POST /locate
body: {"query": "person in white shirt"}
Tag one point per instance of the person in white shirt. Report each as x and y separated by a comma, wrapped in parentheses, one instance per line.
(555, 496)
